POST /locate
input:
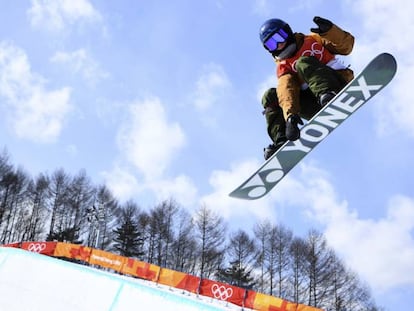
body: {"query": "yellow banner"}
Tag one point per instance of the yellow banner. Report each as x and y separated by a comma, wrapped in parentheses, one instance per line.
(171, 277)
(267, 302)
(74, 251)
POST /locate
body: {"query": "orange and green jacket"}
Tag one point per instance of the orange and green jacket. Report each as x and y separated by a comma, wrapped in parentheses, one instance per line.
(323, 46)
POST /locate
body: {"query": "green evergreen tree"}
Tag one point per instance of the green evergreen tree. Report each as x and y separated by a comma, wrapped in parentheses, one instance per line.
(236, 275)
(128, 239)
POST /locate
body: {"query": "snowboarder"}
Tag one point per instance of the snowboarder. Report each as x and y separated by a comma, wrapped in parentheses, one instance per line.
(309, 75)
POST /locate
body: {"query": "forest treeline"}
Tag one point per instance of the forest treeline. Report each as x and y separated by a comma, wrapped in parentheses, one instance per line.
(268, 258)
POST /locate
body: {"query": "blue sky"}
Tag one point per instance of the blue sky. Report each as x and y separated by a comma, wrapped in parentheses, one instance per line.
(162, 98)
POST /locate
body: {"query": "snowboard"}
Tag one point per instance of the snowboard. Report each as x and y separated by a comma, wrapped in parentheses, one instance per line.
(376, 75)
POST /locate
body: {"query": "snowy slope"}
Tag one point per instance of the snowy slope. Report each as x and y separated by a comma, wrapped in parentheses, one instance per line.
(29, 281)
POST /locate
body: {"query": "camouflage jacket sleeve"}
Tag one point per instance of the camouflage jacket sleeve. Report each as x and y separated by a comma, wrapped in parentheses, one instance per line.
(336, 40)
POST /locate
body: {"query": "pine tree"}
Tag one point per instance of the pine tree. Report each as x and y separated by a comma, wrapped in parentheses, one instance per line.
(241, 252)
(128, 240)
(236, 275)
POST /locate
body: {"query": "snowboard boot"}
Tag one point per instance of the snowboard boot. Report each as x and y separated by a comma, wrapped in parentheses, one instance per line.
(292, 129)
(269, 151)
(272, 148)
(325, 98)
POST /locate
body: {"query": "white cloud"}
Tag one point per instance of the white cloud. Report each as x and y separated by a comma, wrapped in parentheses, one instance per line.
(210, 86)
(123, 184)
(223, 182)
(80, 62)
(148, 142)
(148, 139)
(181, 188)
(34, 113)
(55, 15)
(380, 250)
(387, 27)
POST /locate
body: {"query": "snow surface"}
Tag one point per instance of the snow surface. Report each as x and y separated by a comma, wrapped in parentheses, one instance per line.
(31, 282)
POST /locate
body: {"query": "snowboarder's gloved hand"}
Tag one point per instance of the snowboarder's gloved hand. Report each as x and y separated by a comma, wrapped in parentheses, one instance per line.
(323, 25)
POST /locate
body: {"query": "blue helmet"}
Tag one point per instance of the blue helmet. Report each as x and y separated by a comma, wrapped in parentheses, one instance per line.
(269, 29)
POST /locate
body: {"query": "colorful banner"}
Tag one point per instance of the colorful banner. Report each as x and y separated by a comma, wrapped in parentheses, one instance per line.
(14, 245)
(106, 260)
(291, 306)
(258, 301)
(141, 269)
(73, 251)
(148, 271)
(222, 291)
(130, 267)
(45, 248)
(190, 283)
(179, 280)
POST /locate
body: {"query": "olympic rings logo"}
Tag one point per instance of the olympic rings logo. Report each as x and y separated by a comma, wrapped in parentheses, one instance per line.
(314, 51)
(221, 292)
(36, 247)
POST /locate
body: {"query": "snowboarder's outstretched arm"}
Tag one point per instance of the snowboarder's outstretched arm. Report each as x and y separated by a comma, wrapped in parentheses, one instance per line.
(335, 39)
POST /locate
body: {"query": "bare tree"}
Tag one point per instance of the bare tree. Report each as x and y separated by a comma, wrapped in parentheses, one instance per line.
(15, 188)
(210, 232)
(280, 241)
(59, 183)
(161, 225)
(241, 253)
(274, 257)
(298, 250)
(184, 247)
(105, 209)
(37, 207)
(319, 265)
(262, 232)
(80, 196)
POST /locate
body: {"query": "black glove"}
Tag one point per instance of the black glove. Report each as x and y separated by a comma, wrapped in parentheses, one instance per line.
(323, 25)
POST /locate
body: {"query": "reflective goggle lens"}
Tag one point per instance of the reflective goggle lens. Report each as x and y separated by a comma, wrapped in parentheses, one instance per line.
(275, 39)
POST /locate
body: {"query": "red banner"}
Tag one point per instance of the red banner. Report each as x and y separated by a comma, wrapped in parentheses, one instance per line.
(148, 271)
(45, 248)
(222, 291)
(190, 283)
(14, 245)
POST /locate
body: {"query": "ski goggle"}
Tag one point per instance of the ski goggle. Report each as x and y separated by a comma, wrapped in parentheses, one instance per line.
(278, 37)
